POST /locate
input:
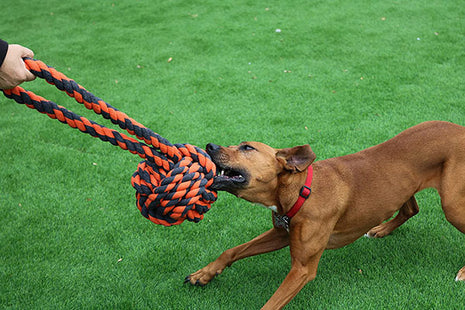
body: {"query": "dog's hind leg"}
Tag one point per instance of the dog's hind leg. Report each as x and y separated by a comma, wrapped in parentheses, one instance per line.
(460, 275)
(452, 193)
(408, 209)
(455, 214)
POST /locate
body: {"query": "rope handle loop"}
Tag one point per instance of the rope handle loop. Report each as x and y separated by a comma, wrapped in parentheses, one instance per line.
(172, 183)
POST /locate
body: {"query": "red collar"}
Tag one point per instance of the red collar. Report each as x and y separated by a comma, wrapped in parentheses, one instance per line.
(305, 192)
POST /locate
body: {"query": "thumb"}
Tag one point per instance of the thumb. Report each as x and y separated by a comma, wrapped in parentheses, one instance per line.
(28, 75)
(26, 52)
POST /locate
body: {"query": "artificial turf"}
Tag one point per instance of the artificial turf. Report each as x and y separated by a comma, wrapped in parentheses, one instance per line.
(340, 75)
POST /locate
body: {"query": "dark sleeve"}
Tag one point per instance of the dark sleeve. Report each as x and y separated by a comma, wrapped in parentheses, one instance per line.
(3, 50)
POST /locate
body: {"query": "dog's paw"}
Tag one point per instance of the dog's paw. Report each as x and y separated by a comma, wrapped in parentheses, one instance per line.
(188, 279)
(202, 277)
(460, 275)
(374, 234)
(379, 231)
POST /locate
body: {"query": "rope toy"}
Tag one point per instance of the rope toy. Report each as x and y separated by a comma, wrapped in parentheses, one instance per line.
(172, 183)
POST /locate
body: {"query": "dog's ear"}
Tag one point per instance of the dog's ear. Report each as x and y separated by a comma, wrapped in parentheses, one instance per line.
(297, 158)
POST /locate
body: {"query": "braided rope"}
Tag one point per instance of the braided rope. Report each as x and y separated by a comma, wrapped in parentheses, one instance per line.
(171, 183)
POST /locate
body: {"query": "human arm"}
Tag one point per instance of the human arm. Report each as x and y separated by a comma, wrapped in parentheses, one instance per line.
(3, 50)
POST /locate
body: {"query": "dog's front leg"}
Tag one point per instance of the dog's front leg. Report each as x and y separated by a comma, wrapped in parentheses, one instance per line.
(273, 239)
(298, 276)
(308, 240)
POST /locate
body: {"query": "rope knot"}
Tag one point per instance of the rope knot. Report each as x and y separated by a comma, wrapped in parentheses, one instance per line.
(168, 197)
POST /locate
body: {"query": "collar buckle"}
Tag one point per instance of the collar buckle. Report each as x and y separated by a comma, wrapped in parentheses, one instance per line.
(281, 221)
(305, 192)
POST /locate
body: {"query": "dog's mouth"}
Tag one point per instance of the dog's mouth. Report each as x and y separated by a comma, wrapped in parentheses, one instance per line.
(228, 174)
(229, 179)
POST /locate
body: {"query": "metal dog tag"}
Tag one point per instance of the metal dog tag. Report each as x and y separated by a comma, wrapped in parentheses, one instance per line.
(281, 221)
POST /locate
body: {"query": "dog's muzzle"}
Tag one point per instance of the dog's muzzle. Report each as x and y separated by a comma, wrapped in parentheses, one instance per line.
(228, 178)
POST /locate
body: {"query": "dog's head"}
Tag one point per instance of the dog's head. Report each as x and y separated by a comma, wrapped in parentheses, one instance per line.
(251, 170)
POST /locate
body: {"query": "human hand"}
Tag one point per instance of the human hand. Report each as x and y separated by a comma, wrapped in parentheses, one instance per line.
(13, 70)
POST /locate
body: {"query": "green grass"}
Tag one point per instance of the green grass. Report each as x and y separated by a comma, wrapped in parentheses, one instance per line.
(341, 75)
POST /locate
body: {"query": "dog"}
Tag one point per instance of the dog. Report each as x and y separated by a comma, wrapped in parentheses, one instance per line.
(339, 199)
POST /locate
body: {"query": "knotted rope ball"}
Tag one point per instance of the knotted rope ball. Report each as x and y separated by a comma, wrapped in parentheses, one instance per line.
(168, 197)
(172, 183)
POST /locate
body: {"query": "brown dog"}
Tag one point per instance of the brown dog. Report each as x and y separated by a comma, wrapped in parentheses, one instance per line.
(350, 195)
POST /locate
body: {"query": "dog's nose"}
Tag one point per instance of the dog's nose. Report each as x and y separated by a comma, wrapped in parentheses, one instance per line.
(212, 147)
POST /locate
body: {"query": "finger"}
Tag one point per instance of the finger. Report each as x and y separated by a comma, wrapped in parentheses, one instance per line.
(22, 51)
(28, 76)
(27, 53)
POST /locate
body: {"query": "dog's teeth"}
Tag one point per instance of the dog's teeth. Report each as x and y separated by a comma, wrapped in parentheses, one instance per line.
(222, 173)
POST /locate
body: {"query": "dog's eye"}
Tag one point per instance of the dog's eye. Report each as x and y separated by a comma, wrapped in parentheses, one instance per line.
(246, 147)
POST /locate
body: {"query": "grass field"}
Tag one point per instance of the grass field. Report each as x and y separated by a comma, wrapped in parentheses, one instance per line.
(340, 75)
